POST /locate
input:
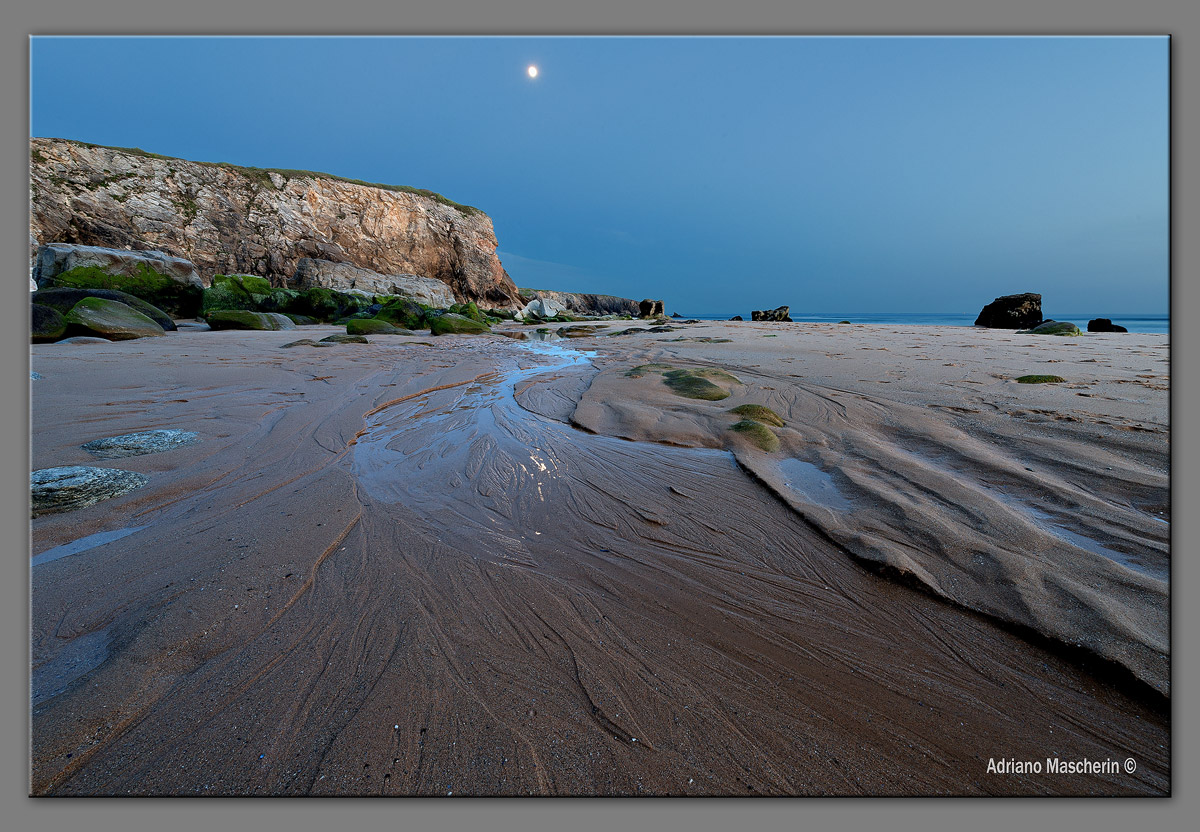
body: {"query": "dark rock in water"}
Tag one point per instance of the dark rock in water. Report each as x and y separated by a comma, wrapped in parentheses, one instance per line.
(239, 319)
(64, 298)
(372, 326)
(345, 339)
(737, 318)
(76, 486)
(1012, 312)
(676, 315)
(779, 313)
(843, 322)
(1052, 328)
(143, 442)
(45, 324)
(651, 308)
(1104, 325)
(170, 283)
(451, 324)
(109, 319)
(579, 331)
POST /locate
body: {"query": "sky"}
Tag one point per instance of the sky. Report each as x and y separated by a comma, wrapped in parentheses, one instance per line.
(881, 175)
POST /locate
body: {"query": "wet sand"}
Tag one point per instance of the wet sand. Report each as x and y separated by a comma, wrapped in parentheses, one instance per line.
(434, 566)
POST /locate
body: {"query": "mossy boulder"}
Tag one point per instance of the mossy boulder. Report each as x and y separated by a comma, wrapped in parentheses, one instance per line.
(346, 338)
(758, 433)
(241, 319)
(280, 300)
(758, 413)
(181, 300)
(403, 312)
(109, 319)
(64, 298)
(328, 304)
(452, 324)
(1053, 328)
(469, 310)
(235, 291)
(372, 326)
(46, 324)
(300, 320)
(1040, 380)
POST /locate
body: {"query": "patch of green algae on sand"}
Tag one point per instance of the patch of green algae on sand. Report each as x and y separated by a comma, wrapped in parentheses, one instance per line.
(759, 413)
(1040, 380)
(758, 433)
(691, 384)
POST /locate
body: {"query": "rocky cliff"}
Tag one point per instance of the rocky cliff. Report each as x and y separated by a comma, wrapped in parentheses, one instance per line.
(234, 220)
(584, 303)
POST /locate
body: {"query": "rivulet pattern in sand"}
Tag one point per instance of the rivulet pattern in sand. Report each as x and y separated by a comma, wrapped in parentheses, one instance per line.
(405, 569)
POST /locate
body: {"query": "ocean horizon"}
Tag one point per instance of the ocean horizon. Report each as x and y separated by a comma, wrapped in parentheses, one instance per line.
(1144, 324)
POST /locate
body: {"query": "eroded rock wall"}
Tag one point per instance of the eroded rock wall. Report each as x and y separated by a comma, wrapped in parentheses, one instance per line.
(231, 220)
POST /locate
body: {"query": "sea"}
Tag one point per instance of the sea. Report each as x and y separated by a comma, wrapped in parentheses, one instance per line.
(1154, 324)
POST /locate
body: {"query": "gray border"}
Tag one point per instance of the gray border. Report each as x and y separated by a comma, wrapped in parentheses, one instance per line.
(546, 17)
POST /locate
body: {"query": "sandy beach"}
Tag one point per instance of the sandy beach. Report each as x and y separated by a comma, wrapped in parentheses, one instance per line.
(477, 565)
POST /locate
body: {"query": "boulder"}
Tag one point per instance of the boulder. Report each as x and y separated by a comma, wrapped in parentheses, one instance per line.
(76, 486)
(240, 319)
(329, 304)
(235, 291)
(676, 315)
(737, 318)
(136, 444)
(780, 313)
(170, 283)
(1052, 328)
(109, 319)
(452, 324)
(539, 309)
(344, 338)
(1104, 325)
(651, 308)
(584, 303)
(63, 299)
(402, 312)
(1012, 312)
(46, 324)
(373, 326)
(344, 277)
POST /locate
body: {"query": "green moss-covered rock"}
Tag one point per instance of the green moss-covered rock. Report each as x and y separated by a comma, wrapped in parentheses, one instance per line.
(46, 324)
(281, 300)
(1040, 380)
(706, 372)
(179, 299)
(469, 310)
(109, 319)
(341, 338)
(371, 326)
(300, 320)
(64, 298)
(241, 319)
(451, 324)
(403, 312)
(759, 413)
(643, 369)
(1053, 328)
(684, 383)
(757, 433)
(329, 305)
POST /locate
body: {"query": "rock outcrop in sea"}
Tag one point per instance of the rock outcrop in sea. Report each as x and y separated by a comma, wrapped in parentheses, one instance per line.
(1023, 311)
(779, 313)
(235, 220)
(1104, 325)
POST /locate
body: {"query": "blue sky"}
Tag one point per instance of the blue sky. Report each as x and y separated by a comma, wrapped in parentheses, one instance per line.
(722, 174)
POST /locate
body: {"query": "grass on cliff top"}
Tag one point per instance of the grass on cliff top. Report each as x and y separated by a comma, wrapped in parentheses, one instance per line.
(263, 175)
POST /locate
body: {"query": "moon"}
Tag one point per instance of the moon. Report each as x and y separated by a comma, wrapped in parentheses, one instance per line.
(533, 71)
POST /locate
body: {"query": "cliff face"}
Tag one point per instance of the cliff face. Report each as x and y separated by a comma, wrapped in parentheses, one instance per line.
(584, 303)
(230, 220)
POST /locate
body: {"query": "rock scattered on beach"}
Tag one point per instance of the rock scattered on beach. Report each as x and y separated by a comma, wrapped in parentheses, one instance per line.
(143, 442)
(345, 277)
(737, 318)
(63, 298)
(1021, 311)
(170, 283)
(304, 342)
(75, 486)
(1104, 325)
(373, 326)
(345, 338)
(779, 313)
(240, 319)
(45, 324)
(1052, 328)
(109, 319)
(1040, 379)
(452, 324)
(651, 308)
